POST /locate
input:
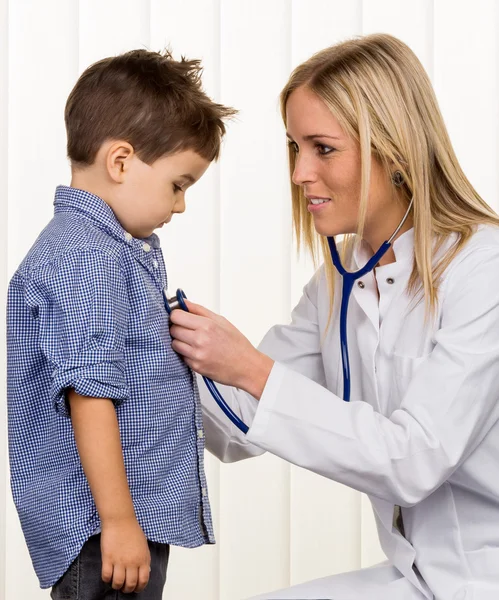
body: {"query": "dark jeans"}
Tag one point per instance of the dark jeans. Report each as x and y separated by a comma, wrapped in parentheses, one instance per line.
(83, 580)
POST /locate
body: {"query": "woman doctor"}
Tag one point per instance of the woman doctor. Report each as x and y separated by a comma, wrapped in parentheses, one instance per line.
(421, 431)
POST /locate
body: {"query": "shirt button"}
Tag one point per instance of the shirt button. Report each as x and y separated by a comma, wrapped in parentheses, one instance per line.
(361, 285)
(146, 247)
(204, 492)
(390, 281)
(200, 434)
(128, 236)
(155, 263)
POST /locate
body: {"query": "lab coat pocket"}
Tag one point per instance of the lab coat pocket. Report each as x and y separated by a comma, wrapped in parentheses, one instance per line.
(404, 369)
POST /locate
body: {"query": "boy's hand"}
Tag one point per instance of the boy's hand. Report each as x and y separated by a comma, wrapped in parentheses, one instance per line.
(125, 555)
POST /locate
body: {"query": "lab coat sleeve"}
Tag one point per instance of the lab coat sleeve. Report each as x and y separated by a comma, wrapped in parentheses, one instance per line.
(298, 346)
(449, 407)
(223, 439)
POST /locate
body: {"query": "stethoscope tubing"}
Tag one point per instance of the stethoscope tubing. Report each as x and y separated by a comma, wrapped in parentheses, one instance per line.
(349, 280)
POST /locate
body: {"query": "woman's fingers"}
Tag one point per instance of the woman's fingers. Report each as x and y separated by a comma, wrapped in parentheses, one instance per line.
(195, 317)
(188, 336)
(186, 319)
(184, 349)
(197, 309)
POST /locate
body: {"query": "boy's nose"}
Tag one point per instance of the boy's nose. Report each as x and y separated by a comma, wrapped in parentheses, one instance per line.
(179, 205)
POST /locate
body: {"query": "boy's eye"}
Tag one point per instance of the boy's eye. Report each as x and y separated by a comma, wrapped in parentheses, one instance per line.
(176, 188)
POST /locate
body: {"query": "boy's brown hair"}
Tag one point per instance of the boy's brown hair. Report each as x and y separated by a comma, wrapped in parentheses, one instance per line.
(148, 99)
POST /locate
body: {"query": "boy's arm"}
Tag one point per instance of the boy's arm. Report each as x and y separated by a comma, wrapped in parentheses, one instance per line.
(125, 553)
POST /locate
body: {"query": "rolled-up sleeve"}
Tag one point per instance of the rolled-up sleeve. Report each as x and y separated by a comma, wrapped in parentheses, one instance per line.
(81, 303)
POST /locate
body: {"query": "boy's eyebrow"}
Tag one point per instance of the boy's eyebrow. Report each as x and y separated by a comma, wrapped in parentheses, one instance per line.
(189, 178)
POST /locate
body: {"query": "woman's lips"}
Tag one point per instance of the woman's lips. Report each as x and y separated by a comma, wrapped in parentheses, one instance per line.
(319, 204)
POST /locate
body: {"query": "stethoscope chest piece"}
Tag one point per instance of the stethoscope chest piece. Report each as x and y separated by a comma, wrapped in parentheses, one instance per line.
(174, 302)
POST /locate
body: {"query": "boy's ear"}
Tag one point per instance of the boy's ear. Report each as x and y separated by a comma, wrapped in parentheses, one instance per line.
(118, 159)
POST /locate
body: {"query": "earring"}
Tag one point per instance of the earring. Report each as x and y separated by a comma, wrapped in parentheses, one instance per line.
(397, 178)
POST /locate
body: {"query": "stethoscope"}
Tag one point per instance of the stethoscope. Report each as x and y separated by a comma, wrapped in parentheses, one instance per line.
(177, 301)
(349, 278)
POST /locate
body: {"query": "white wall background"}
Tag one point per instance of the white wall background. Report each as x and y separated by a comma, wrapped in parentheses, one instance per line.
(276, 525)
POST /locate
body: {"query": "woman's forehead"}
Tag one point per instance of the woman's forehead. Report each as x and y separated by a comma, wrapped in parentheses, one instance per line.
(308, 116)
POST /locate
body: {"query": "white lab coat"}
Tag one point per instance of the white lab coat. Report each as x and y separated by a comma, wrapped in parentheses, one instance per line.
(421, 430)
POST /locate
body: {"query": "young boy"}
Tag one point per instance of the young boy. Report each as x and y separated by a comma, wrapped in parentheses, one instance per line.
(105, 430)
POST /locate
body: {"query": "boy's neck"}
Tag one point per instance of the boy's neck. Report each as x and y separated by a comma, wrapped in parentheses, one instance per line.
(91, 181)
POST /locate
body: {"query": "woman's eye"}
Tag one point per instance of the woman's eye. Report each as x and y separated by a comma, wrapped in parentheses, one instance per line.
(293, 146)
(323, 150)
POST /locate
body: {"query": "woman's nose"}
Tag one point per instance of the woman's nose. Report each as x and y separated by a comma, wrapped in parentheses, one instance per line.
(303, 171)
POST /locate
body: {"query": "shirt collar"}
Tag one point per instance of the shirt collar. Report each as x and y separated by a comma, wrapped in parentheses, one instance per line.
(403, 248)
(73, 200)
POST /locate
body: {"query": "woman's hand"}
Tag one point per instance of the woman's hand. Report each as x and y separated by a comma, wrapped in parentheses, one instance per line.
(213, 347)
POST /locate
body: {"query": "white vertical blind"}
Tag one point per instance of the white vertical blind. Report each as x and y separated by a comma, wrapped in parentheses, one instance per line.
(414, 26)
(42, 66)
(254, 274)
(466, 81)
(4, 28)
(232, 250)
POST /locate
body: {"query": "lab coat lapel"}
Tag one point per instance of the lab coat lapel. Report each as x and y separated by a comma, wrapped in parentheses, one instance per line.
(367, 302)
(404, 249)
(363, 296)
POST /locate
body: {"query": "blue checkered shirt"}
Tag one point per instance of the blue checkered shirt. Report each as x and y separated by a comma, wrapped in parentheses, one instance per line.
(85, 311)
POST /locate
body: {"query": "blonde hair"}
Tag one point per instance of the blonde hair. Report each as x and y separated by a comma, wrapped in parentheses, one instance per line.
(382, 97)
